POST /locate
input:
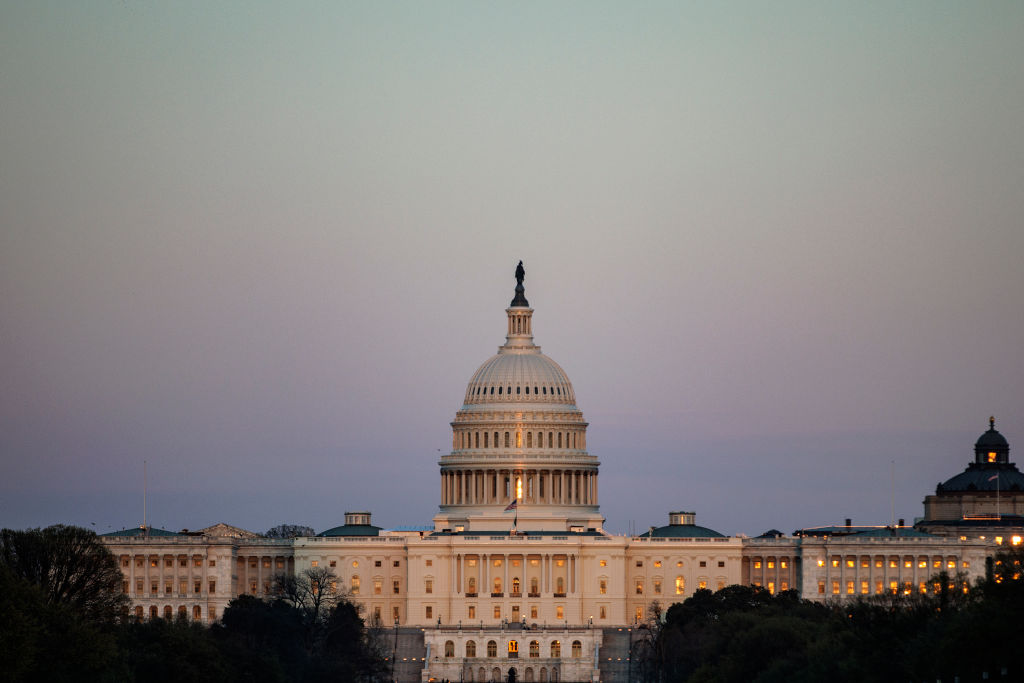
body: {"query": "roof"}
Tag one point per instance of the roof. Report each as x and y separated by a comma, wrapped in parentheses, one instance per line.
(352, 530)
(983, 477)
(1001, 520)
(142, 531)
(682, 531)
(860, 531)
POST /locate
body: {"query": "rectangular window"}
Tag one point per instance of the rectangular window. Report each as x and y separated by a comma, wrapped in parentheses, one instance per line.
(657, 587)
(603, 613)
(471, 611)
(721, 563)
(835, 588)
(497, 611)
(124, 562)
(864, 562)
(849, 562)
(821, 588)
(394, 614)
(704, 563)
(782, 564)
(721, 585)
(603, 586)
(559, 612)
(376, 614)
(771, 564)
(784, 586)
(428, 586)
(394, 587)
(657, 563)
(153, 588)
(199, 562)
(213, 586)
(639, 563)
(168, 588)
(124, 586)
(533, 611)
(430, 563)
(378, 586)
(639, 587)
(376, 563)
(395, 563)
(849, 588)
(428, 612)
(603, 563)
(639, 614)
(183, 562)
(138, 561)
(197, 587)
(334, 563)
(879, 587)
(864, 588)
(703, 583)
(315, 563)
(771, 587)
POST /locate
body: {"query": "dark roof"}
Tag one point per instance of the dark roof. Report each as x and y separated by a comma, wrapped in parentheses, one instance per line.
(862, 531)
(535, 534)
(682, 531)
(901, 531)
(772, 533)
(1002, 520)
(992, 438)
(982, 477)
(140, 531)
(352, 530)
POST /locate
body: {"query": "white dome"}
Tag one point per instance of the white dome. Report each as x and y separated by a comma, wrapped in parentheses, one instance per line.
(520, 377)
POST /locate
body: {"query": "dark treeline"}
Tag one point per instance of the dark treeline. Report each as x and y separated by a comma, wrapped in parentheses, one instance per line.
(744, 634)
(64, 617)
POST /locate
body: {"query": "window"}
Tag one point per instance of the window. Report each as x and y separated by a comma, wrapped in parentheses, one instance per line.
(603, 586)
(183, 562)
(449, 648)
(556, 649)
(355, 564)
(334, 563)
(821, 588)
(639, 563)
(471, 611)
(533, 611)
(835, 561)
(197, 587)
(704, 563)
(395, 563)
(213, 586)
(395, 587)
(355, 585)
(497, 611)
(124, 562)
(153, 588)
(849, 588)
(430, 563)
(376, 614)
(577, 649)
(657, 587)
(515, 584)
(603, 563)
(849, 562)
(603, 612)
(428, 612)
(167, 587)
(657, 563)
(721, 563)
(680, 585)
(428, 586)
(703, 583)
(138, 585)
(394, 614)
(639, 586)
(560, 585)
(124, 586)
(492, 648)
(315, 563)
(782, 564)
(534, 649)
(199, 562)
(559, 612)
(639, 615)
(471, 648)
(721, 584)
(679, 563)
(864, 587)
(497, 584)
(771, 564)
(378, 586)
(376, 563)
(835, 588)
(513, 649)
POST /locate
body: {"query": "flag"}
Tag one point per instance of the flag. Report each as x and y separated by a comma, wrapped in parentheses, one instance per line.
(514, 505)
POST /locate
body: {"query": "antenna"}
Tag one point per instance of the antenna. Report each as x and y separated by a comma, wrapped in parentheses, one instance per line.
(892, 489)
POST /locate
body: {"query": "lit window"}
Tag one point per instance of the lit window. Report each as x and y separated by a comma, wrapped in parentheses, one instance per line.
(395, 587)
(639, 587)
(771, 587)
(603, 563)
(533, 611)
(378, 586)
(892, 564)
(603, 586)
(771, 564)
(878, 562)
(864, 589)
(757, 564)
(657, 563)
(849, 588)
(1015, 540)
(999, 540)
(907, 564)
(966, 564)
(513, 649)
(821, 563)
(835, 561)
(355, 563)
(821, 587)
(703, 583)
(680, 585)
(782, 564)
(556, 649)
(603, 612)
(577, 648)
(497, 611)
(922, 564)
(679, 563)
(355, 585)
(835, 588)
(639, 614)
(559, 612)
(471, 613)
(430, 563)
(992, 457)
(314, 563)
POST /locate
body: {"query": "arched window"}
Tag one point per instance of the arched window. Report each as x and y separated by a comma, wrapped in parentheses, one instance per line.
(517, 389)
(492, 648)
(544, 674)
(497, 584)
(551, 439)
(355, 585)
(515, 584)
(138, 612)
(476, 440)
(680, 585)
(559, 439)
(182, 612)
(507, 440)
(168, 612)
(471, 648)
(528, 678)
(529, 439)
(513, 649)
(485, 439)
(495, 674)
(495, 439)
(499, 390)
(534, 648)
(556, 648)
(197, 612)
(535, 390)
(577, 648)
(449, 648)
(492, 391)
(545, 389)
(153, 612)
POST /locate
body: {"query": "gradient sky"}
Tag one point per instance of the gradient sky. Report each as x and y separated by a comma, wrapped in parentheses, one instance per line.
(264, 246)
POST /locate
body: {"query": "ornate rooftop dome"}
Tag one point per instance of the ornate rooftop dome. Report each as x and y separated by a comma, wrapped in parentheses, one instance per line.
(516, 377)
(991, 469)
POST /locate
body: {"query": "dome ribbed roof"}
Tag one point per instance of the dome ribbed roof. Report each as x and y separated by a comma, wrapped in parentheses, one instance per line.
(513, 377)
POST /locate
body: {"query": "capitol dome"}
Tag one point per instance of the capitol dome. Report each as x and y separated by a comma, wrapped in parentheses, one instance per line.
(519, 442)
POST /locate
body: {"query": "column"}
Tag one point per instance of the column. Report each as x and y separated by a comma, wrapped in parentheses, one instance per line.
(504, 581)
(482, 581)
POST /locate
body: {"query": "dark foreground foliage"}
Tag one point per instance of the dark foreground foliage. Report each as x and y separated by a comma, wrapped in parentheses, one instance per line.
(63, 618)
(744, 634)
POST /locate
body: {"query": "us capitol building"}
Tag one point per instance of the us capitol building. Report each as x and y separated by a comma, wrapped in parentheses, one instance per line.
(518, 572)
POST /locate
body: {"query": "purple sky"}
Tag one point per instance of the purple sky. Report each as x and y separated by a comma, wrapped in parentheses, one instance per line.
(775, 246)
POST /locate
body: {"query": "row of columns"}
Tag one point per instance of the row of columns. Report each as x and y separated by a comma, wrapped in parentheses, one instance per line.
(466, 439)
(498, 486)
(548, 583)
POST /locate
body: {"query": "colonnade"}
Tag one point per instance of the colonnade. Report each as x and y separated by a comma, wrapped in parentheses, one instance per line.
(474, 439)
(498, 486)
(553, 580)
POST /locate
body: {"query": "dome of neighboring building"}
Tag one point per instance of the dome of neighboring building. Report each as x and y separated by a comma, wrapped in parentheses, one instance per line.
(681, 525)
(991, 469)
(991, 438)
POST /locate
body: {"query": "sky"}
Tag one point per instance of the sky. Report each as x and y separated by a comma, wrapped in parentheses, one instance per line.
(262, 247)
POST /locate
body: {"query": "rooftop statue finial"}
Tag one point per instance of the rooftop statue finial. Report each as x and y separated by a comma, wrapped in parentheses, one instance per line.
(991, 420)
(520, 298)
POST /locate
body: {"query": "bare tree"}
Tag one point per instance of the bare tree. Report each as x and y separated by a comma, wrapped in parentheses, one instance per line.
(314, 593)
(289, 531)
(71, 566)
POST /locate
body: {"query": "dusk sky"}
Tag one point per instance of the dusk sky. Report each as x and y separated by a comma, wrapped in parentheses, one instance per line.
(264, 246)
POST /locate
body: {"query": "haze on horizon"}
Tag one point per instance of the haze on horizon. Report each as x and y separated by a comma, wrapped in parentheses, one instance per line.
(262, 247)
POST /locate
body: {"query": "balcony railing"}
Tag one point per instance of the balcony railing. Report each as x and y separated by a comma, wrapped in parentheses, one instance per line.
(497, 595)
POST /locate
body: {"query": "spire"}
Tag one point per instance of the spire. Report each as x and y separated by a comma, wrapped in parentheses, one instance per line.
(520, 298)
(991, 420)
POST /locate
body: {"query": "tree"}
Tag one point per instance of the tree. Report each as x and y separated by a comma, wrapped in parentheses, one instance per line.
(71, 567)
(313, 593)
(289, 531)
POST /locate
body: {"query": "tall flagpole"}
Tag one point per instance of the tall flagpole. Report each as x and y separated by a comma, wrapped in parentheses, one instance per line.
(143, 494)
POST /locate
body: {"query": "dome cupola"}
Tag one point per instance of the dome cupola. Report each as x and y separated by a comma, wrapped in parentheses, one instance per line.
(991, 447)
